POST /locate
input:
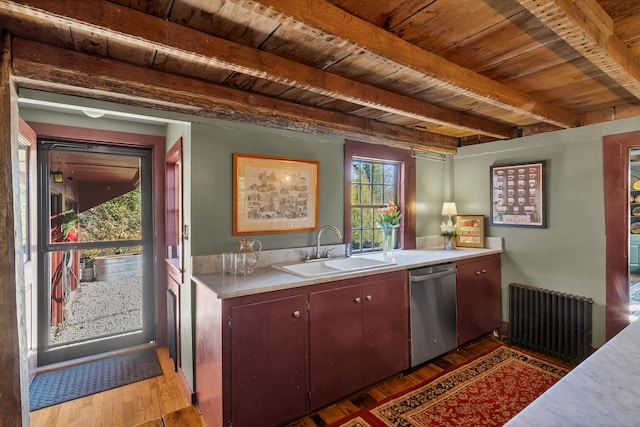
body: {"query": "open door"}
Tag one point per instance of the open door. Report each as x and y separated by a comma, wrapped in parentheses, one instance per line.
(96, 272)
(27, 139)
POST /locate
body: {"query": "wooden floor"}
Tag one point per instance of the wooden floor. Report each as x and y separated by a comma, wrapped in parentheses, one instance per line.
(161, 402)
(379, 392)
(158, 401)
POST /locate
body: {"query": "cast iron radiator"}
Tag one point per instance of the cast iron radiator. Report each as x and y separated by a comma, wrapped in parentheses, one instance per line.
(550, 322)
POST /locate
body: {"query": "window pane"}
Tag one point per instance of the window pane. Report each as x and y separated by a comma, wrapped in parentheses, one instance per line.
(355, 194)
(367, 218)
(355, 172)
(365, 195)
(23, 170)
(355, 240)
(378, 198)
(367, 239)
(389, 195)
(390, 173)
(377, 237)
(356, 218)
(365, 176)
(377, 173)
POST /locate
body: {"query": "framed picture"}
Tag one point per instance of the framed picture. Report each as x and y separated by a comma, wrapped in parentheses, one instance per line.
(274, 195)
(470, 231)
(518, 195)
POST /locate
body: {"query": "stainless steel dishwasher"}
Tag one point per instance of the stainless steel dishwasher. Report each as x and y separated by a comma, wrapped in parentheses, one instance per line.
(433, 312)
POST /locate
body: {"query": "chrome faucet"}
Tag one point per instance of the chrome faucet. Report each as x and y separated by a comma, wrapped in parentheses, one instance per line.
(331, 227)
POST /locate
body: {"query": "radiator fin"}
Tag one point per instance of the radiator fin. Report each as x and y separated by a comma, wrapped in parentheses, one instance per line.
(550, 322)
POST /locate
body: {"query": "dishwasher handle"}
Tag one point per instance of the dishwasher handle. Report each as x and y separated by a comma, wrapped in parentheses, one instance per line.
(432, 276)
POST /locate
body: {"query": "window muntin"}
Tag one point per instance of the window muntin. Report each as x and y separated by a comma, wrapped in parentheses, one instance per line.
(374, 183)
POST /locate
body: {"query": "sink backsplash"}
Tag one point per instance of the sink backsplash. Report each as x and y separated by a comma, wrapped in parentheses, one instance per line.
(205, 264)
(213, 263)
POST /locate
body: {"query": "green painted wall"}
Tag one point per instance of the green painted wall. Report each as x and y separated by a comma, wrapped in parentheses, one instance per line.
(568, 255)
(213, 145)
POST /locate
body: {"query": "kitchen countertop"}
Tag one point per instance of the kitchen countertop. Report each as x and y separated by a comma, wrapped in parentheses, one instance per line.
(268, 279)
(601, 391)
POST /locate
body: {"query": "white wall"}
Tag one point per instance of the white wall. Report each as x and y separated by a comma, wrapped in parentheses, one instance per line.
(568, 255)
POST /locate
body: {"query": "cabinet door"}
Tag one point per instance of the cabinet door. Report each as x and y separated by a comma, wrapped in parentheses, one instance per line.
(335, 331)
(268, 362)
(386, 328)
(478, 298)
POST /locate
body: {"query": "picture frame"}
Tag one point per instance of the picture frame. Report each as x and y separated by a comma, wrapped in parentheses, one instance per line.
(470, 231)
(518, 195)
(274, 194)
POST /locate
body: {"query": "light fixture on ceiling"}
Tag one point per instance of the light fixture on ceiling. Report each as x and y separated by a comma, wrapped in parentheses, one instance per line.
(449, 209)
(94, 114)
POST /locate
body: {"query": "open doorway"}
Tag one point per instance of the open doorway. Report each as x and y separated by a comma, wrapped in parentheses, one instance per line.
(95, 249)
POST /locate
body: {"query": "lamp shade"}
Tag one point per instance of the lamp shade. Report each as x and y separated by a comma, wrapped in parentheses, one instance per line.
(449, 208)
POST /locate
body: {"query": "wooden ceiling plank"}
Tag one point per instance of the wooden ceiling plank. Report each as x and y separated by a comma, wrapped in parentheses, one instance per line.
(586, 26)
(174, 40)
(41, 66)
(323, 15)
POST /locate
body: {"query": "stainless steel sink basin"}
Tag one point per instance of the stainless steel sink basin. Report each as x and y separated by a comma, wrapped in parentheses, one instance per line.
(316, 268)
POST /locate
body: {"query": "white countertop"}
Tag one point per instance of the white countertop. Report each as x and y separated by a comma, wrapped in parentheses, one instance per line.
(604, 390)
(268, 279)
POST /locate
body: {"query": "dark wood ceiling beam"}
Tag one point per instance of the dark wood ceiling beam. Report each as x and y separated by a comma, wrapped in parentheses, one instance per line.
(587, 27)
(44, 67)
(133, 27)
(331, 19)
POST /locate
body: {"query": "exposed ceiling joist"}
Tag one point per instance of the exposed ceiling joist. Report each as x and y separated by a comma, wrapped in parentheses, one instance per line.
(589, 29)
(40, 66)
(327, 17)
(173, 40)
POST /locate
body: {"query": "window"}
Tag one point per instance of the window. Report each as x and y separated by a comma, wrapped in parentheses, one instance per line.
(374, 183)
(375, 175)
(23, 171)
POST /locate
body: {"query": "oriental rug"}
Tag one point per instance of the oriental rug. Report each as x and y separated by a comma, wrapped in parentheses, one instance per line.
(57, 386)
(487, 391)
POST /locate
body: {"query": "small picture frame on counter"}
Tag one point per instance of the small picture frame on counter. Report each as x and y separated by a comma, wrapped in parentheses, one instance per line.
(470, 231)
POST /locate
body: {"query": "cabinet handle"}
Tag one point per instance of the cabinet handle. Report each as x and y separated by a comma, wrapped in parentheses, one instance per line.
(477, 273)
(296, 313)
(369, 297)
(357, 300)
(483, 270)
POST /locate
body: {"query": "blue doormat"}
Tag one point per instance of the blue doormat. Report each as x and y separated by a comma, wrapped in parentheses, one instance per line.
(53, 387)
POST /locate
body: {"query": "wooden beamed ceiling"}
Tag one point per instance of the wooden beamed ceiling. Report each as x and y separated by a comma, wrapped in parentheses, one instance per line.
(424, 75)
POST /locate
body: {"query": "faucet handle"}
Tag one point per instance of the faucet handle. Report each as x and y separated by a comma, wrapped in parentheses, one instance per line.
(327, 254)
(348, 250)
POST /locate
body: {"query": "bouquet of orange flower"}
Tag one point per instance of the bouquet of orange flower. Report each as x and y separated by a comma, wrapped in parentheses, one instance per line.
(389, 215)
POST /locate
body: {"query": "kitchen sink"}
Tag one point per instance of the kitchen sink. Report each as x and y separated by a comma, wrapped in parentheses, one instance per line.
(319, 268)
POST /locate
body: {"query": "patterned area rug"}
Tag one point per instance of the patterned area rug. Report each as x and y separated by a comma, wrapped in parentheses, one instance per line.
(53, 387)
(487, 391)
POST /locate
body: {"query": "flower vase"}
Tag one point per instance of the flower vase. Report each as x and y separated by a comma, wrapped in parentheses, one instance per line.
(449, 243)
(388, 238)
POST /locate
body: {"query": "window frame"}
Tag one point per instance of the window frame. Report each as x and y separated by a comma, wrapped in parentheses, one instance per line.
(406, 190)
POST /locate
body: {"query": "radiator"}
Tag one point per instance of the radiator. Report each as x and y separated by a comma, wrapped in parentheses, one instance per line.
(550, 322)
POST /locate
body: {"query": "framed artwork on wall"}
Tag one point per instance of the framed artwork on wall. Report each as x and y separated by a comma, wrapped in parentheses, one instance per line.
(274, 195)
(470, 231)
(518, 195)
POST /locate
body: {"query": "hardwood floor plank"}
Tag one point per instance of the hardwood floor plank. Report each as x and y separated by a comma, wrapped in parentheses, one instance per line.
(185, 417)
(138, 403)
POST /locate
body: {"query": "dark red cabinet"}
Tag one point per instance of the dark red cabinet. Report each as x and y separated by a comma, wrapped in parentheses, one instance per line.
(478, 297)
(269, 347)
(267, 359)
(359, 335)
